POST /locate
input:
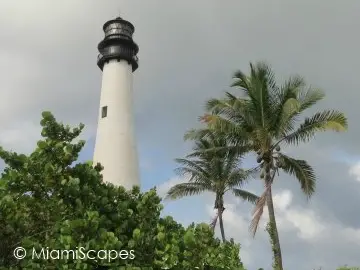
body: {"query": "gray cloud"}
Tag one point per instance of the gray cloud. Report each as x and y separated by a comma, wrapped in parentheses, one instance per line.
(188, 51)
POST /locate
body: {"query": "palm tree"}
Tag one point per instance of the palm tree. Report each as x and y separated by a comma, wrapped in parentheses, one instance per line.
(267, 115)
(217, 172)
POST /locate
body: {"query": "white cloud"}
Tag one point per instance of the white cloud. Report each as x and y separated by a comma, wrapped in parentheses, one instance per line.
(355, 171)
(163, 188)
(282, 200)
(306, 223)
(241, 219)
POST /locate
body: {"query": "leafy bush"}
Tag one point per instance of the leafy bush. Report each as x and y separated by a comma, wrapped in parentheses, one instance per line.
(47, 202)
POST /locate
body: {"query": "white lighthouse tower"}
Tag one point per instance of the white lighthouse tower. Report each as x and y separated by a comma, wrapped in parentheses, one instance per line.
(115, 145)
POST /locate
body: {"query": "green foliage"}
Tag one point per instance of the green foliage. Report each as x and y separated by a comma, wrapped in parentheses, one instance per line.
(270, 230)
(48, 202)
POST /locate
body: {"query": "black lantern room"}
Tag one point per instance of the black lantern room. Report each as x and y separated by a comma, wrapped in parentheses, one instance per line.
(118, 43)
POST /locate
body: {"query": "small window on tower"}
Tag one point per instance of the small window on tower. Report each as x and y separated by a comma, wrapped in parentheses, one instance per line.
(104, 112)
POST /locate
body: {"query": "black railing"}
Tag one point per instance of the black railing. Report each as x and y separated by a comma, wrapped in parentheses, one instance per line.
(102, 59)
(135, 58)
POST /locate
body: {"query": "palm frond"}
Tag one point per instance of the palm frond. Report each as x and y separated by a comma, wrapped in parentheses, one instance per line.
(217, 145)
(263, 87)
(310, 98)
(192, 175)
(227, 150)
(257, 213)
(234, 133)
(186, 189)
(260, 204)
(231, 108)
(194, 165)
(287, 104)
(241, 81)
(224, 106)
(290, 108)
(293, 106)
(245, 195)
(253, 172)
(237, 178)
(321, 121)
(291, 88)
(302, 171)
(196, 134)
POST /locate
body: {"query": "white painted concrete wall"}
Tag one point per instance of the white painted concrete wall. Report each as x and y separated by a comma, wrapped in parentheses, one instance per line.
(115, 145)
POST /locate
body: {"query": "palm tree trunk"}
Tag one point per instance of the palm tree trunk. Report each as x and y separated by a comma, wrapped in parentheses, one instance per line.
(220, 212)
(274, 235)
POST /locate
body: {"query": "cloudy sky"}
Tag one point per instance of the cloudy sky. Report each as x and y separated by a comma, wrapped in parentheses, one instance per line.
(188, 52)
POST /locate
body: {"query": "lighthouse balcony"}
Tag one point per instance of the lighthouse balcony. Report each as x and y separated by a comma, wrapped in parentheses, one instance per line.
(102, 59)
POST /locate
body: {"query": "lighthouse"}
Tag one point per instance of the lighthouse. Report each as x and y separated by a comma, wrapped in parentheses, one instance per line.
(115, 144)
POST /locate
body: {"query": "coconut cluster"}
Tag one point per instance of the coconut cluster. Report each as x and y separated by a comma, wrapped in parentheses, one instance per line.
(269, 161)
